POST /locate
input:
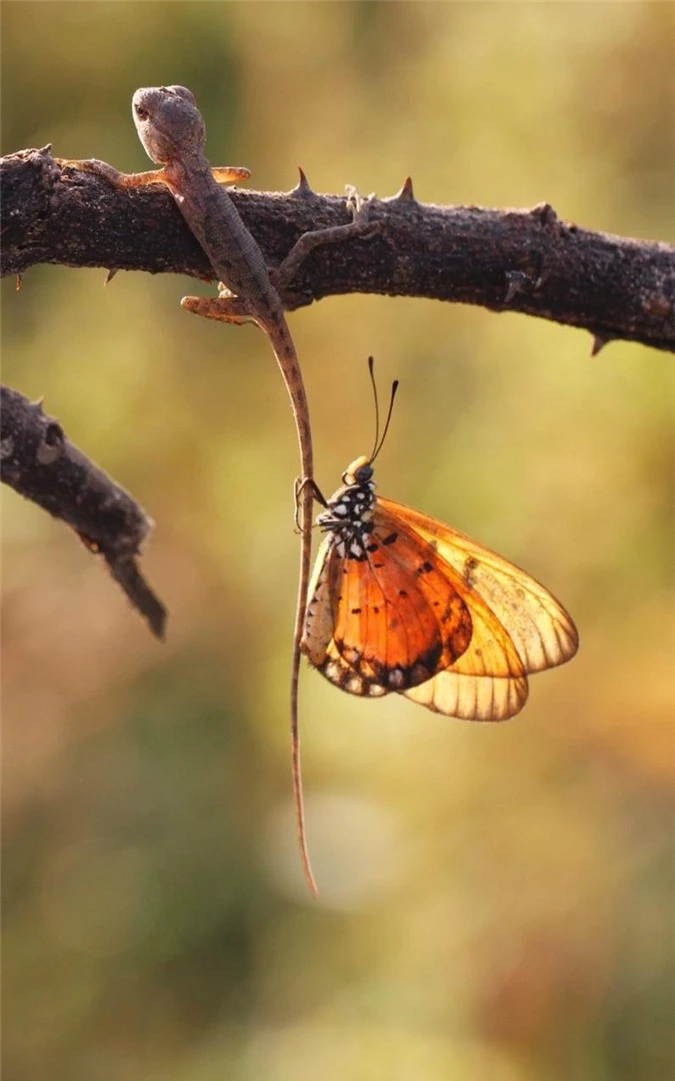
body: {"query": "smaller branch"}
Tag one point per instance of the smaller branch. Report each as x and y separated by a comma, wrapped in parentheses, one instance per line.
(39, 462)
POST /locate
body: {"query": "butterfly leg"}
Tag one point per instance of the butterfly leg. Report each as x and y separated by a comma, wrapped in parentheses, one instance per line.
(299, 485)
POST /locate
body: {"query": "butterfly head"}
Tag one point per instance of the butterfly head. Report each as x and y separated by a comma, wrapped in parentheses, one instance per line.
(360, 471)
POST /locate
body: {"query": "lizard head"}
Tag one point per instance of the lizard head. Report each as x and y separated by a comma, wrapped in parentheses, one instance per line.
(167, 120)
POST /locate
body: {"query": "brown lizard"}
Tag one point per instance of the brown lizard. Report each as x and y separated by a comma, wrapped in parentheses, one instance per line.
(172, 130)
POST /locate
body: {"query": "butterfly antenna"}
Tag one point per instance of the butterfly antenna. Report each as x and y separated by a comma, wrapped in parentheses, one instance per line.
(371, 373)
(377, 445)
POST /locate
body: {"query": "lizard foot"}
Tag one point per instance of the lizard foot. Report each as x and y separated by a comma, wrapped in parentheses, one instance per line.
(226, 309)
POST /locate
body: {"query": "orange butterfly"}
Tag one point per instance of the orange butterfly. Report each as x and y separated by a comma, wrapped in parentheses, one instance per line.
(400, 602)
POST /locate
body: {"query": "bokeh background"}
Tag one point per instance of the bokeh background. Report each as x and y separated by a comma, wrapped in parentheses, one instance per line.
(496, 901)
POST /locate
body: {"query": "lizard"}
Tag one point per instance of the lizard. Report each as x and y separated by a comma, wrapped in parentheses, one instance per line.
(172, 131)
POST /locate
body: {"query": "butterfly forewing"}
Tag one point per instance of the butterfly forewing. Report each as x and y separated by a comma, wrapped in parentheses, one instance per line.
(540, 628)
(395, 618)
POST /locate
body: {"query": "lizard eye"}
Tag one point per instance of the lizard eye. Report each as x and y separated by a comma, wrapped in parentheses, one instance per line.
(141, 113)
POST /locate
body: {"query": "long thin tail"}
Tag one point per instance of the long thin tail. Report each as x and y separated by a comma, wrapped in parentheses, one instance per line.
(287, 360)
(306, 506)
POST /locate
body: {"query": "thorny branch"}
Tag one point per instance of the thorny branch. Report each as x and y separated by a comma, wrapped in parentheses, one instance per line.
(39, 462)
(527, 261)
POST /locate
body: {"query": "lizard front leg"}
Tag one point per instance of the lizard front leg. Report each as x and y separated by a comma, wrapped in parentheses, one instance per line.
(222, 174)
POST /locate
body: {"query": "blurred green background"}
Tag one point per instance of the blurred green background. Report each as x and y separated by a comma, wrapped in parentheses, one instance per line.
(496, 901)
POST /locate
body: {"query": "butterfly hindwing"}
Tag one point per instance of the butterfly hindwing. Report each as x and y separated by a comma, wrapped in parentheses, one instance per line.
(472, 698)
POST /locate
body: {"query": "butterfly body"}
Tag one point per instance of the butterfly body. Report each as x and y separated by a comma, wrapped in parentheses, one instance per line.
(402, 603)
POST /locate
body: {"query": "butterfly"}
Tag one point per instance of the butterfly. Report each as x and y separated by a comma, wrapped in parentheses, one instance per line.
(399, 602)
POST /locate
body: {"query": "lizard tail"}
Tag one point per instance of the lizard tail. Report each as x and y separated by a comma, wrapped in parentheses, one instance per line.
(290, 369)
(306, 497)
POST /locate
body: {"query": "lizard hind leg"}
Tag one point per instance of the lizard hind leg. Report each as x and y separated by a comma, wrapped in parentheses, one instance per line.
(361, 227)
(225, 308)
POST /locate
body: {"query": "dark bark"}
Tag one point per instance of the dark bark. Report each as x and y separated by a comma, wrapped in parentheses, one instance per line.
(39, 462)
(505, 260)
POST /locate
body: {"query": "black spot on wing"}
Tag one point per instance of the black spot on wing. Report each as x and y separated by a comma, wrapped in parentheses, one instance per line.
(424, 568)
(470, 565)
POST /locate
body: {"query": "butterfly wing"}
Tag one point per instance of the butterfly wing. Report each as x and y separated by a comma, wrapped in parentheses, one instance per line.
(389, 621)
(538, 625)
(472, 698)
(384, 618)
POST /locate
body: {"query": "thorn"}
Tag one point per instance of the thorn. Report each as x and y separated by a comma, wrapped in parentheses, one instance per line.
(46, 149)
(302, 188)
(406, 194)
(544, 213)
(38, 403)
(516, 282)
(599, 342)
(110, 275)
(19, 282)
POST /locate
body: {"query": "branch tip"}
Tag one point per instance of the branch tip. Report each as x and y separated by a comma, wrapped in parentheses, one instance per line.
(42, 465)
(127, 575)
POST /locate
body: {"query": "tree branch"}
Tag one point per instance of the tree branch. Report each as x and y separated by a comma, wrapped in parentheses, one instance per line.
(39, 462)
(504, 260)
